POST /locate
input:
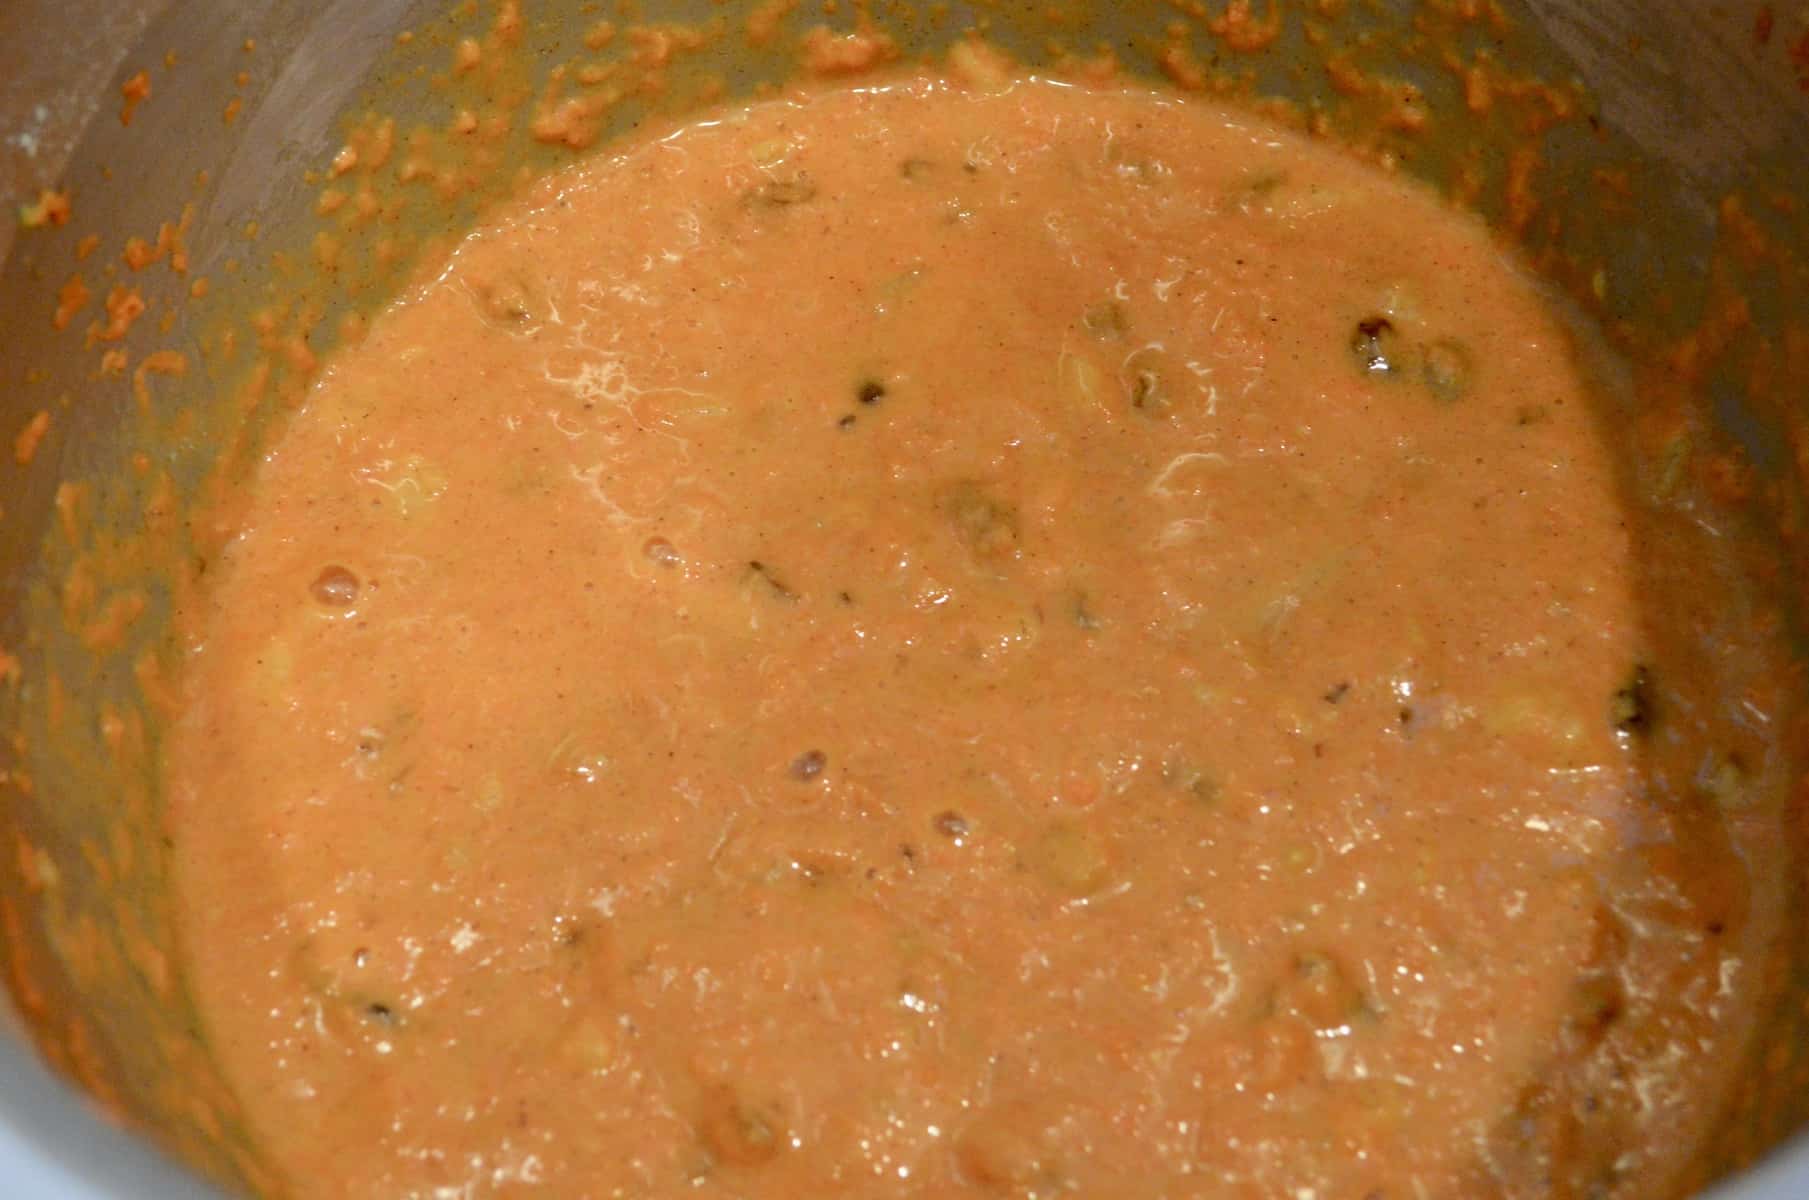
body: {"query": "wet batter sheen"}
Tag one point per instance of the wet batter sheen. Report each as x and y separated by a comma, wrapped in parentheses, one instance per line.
(930, 641)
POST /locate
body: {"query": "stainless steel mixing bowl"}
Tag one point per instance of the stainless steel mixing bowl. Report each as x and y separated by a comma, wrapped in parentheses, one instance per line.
(1708, 96)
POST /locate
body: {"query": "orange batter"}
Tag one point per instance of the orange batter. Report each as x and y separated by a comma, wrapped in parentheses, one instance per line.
(924, 641)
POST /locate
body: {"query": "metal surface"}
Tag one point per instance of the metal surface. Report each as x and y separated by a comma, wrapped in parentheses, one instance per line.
(54, 1147)
(1692, 85)
(61, 64)
(48, 99)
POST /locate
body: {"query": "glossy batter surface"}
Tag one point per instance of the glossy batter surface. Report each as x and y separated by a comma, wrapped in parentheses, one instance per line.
(925, 642)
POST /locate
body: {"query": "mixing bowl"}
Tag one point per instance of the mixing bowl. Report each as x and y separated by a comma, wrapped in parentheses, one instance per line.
(1697, 115)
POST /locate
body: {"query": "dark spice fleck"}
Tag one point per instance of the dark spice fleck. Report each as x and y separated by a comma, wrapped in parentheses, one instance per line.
(846, 422)
(1338, 692)
(1377, 346)
(952, 825)
(871, 391)
(1630, 709)
(774, 586)
(1598, 1003)
(809, 765)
